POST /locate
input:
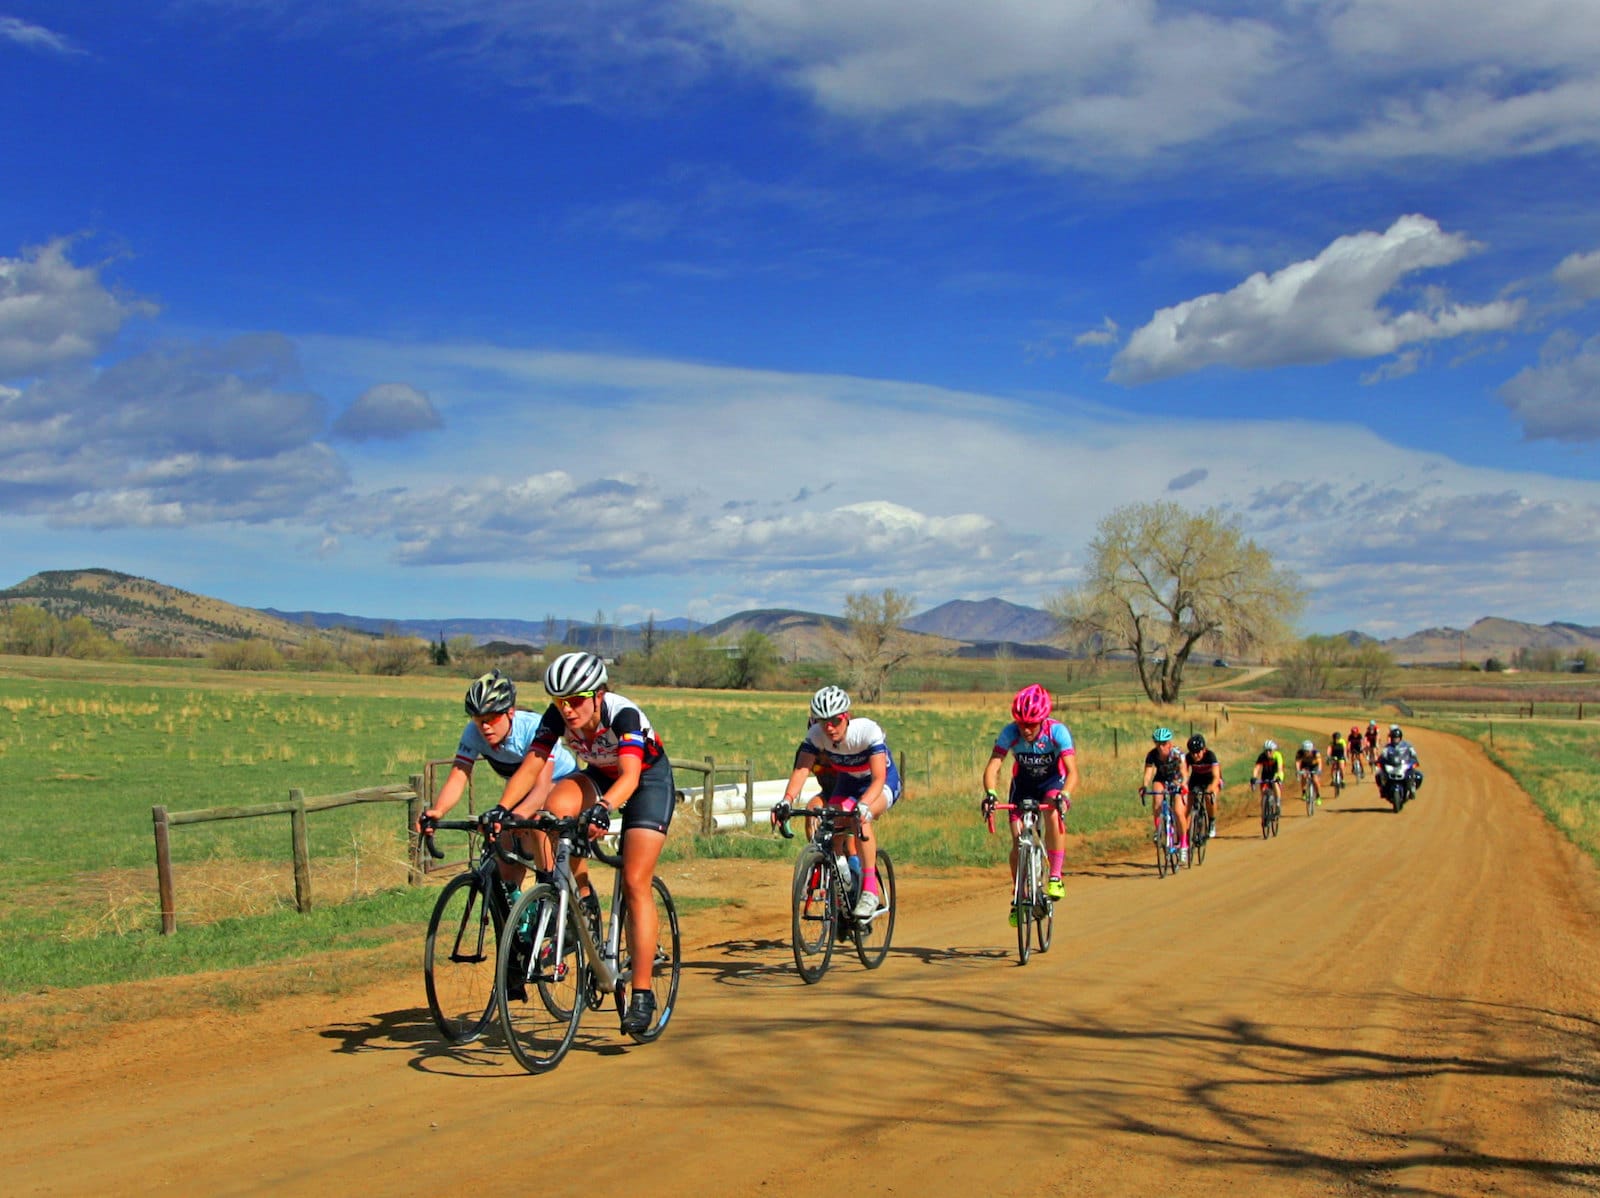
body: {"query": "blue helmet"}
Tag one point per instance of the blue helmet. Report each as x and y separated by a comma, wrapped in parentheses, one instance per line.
(1161, 735)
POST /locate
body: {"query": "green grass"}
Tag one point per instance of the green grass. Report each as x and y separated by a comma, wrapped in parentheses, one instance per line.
(87, 748)
(1554, 763)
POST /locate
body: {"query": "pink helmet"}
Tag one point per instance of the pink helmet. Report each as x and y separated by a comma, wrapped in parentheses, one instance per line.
(1032, 705)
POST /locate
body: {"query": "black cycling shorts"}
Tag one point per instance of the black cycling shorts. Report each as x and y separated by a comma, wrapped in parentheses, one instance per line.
(650, 806)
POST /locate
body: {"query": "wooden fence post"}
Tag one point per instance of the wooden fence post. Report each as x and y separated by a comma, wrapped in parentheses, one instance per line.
(1113, 740)
(169, 912)
(749, 794)
(708, 817)
(301, 844)
(414, 809)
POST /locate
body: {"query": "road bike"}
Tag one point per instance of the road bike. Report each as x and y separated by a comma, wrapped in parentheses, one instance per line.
(1337, 769)
(825, 890)
(1199, 826)
(1271, 809)
(562, 957)
(1357, 770)
(1309, 791)
(458, 956)
(1165, 834)
(1034, 909)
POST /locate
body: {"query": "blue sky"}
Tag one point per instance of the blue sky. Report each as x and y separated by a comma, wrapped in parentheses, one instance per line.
(418, 308)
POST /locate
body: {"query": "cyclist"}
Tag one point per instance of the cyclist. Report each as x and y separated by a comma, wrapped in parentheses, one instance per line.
(1356, 754)
(1269, 769)
(1398, 749)
(1336, 758)
(1044, 767)
(499, 734)
(1308, 764)
(1205, 776)
(627, 771)
(1372, 742)
(1163, 765)
(863, 770)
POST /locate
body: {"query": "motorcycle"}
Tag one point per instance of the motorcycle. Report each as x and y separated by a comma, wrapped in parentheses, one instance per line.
(1397, 785)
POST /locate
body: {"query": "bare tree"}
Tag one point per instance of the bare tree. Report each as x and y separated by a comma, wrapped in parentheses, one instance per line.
(873, 643)
(1163, 581)
(1308, 667)
(1372, 664)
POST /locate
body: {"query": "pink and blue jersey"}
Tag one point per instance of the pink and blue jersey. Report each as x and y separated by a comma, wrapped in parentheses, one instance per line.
(1039, 766)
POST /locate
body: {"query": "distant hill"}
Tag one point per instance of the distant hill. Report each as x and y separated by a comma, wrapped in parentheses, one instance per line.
(150, 615)
(1491, 637)
(801, 635)
(986, 620)
(482, 631)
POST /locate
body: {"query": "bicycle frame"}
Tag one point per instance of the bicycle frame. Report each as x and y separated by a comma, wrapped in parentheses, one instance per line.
(601, 958)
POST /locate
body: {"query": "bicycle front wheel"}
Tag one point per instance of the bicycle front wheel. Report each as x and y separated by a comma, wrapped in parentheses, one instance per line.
(1022, 896)
(1163, 840)
(666, 965)
(458, 959)
(874, 935)
(1199, 831)
(541, 980)
(814, 915)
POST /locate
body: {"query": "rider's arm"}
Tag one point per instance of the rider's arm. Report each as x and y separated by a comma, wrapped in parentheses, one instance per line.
(1069, 772)
(521, 783)
(450, 793)
(534, 800)
(803, 762)
(878, 763)
(629, 767)
(991, 770)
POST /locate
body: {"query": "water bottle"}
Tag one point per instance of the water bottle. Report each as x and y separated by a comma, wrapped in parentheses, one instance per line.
(846, 874)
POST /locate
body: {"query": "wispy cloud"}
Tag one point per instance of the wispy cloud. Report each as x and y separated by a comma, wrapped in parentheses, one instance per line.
(35, 37)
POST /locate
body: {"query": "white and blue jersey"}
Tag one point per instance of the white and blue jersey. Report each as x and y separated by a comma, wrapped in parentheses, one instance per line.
(505, 758)
(1039, 766)
(850, 759)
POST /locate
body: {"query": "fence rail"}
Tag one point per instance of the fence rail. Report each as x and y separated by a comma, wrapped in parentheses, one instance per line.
(296, 807)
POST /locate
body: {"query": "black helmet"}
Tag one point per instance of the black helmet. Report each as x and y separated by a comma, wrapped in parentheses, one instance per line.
(1394, 732)
(1196, 743)
(491, 694)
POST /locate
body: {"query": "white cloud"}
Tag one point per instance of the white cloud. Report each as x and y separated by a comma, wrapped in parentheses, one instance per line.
(1559, 399)
(34, 37)
(1106, 334)
(53, 312)
(387, 412)
(1579, 274)
(1326, 308)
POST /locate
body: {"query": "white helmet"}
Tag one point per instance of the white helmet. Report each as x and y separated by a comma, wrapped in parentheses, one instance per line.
(574, 672)
(1271, 746)
(1306, 746)
(829, 702)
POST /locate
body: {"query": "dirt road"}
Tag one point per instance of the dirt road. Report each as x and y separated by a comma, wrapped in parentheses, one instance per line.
(1369, 1003)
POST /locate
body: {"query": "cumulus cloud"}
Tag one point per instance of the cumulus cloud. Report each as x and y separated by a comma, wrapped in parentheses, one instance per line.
(1559, 399)
(387, 412)
(1579, 275)
(34, 37)
(54, 312)
(1319, 310)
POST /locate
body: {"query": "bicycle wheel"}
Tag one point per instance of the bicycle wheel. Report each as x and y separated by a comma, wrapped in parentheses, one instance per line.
(541, 980)
(814, 907)
(1199, 831)
(1163, 840)
(1266, 813)
(1022, 897)
(1044, 908)
(873, 936)
(458, 960)
(1277, 814)
(667, 965)
(1310, 797)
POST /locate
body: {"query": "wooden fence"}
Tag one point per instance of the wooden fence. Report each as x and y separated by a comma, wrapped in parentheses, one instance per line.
(296, 807)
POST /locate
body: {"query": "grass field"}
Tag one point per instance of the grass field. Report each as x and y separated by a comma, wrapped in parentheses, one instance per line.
(86, 748)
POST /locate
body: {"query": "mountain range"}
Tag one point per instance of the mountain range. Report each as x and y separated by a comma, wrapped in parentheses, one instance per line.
(155, 617)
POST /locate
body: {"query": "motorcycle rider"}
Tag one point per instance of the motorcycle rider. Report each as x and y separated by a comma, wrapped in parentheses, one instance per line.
(1398, 751)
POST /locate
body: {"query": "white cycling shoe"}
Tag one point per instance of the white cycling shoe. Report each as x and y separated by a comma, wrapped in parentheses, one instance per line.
(866, 905)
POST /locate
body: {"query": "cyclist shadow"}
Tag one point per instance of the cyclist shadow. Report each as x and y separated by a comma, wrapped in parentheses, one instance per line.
(958, 955)
(756, 961)
(1384, 810)
(412, 1030)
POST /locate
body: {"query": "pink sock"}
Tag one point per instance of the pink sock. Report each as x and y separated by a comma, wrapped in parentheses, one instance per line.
(1056, 857)
(869, 883)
